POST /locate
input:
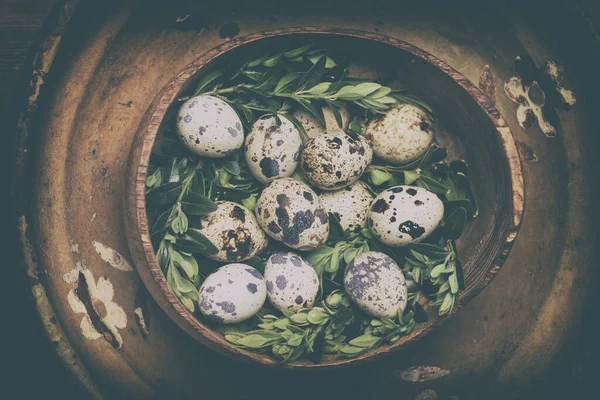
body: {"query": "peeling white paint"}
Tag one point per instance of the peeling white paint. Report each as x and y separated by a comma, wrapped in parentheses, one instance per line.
(73, 247)
(101, 294)
(86, 326)
(93, 217)
(73, 275)
(112, 257)
(567, 95)
(142, 322)
(527, 110)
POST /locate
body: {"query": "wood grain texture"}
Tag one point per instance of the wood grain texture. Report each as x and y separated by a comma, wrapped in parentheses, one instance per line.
(501, 190)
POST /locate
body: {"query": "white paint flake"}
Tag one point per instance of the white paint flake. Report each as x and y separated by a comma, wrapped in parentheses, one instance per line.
(139, 313)
(101, 294)
(73, 275)
(112, 257)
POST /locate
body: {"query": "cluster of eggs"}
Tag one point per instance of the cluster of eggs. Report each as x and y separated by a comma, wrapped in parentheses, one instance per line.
(291, 212)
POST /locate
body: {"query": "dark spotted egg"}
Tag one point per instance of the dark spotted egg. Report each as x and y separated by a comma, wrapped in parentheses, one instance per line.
(292, 283)
(273, 150)
(290, 211)
(335, 160)
(350, 204)
(404, 214)
(209, 127)
(401, 135)
(233, 293)
(233, 229)
(376, 284)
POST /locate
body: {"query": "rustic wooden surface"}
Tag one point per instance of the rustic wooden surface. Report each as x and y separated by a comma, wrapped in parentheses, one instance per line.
(507, 340)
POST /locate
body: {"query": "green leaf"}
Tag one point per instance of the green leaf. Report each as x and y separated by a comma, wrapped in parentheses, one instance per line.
(454, 224)
(447, 304)
(365, 89)
(313, 75)
(350, 351)
(256, 341)
(298, 51)
(162, 222)
(257, 62)
(365, 341)
(317, 316)
(182, 284)
(329, 62)
(431, 184)
(231, 166)
(250, 202)
(410, 177)
(180, 223)
(350, 254)
(299, 319)
(295, 340)
(164, 194)
(286, 81)
(197, 204)
(453, 281)
(381, 92)
(197, 236)
(379, 177)
(187, 302)
(207, 80)
(187, 263)
(437, 270)
(272, 61)
(319, 88)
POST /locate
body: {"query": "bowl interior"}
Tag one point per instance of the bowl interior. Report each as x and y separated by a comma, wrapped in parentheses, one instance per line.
(467, 125)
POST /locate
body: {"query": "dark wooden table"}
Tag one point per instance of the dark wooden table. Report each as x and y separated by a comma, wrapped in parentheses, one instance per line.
(34, 368)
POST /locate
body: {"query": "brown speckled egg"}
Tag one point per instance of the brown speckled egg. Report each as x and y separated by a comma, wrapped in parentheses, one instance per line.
(376, 284)
(272, 151)
(404, 214)
(314, 127)
(209, 127)
(233, 229)
(335, 160)
(290, 211)
(350, 204)
(292, 283)
(233, 293)
(401, 135)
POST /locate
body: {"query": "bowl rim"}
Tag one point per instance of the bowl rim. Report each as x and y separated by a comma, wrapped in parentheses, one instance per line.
(135, 203)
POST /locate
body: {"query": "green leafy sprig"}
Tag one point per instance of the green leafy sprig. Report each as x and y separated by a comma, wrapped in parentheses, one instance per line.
(310, 331)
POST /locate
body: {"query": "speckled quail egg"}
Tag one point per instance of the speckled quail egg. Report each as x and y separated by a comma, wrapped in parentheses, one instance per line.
(376, 284)
(233, 293)
(273, 151)
(335, 160)
(209, 127)
(290, 211)
(350, 204)
(233, 229)
(292, 283)
(401, 135)
(404, 214)
(314, 127)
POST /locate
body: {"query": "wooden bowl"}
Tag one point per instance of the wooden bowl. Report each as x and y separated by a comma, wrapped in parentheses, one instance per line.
(477, 133)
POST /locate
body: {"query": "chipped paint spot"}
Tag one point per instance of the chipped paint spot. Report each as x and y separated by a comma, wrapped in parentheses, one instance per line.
(528, 111)
(568, 96)
(486, 84)
(86, 326)
(93, 217)
(421, 374)
(73, 247)
(112, 257)
(526, 153)
(539, 92)
(103, 317)
(73, 275)
(141, 321)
